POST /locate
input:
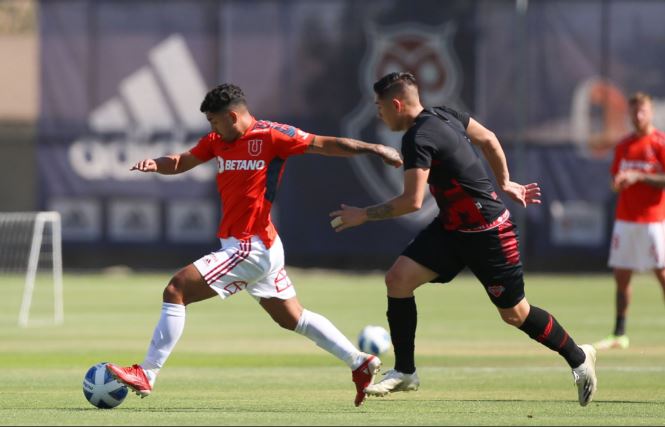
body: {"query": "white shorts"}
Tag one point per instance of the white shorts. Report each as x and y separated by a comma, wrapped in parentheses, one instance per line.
(247, 264)
(637, 246)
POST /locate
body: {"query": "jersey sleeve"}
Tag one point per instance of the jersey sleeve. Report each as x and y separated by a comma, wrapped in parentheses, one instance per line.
(417, 150)
(614, 168)
(289, 140)
(203, 150)
(462, 117)
(661, 151)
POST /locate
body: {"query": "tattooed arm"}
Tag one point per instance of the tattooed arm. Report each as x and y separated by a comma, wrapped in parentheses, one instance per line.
(415, 184)
(347, 147)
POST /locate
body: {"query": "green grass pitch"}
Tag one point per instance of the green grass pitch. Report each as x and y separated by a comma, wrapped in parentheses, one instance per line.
(233, 366)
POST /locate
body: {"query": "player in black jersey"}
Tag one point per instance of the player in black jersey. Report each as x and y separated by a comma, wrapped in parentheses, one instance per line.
(473, 229)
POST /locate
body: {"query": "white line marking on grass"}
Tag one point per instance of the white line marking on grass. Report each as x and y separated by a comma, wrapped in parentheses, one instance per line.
(489, 369)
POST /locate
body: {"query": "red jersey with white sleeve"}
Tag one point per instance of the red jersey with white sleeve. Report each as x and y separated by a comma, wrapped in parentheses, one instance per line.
(249, 171)
(641, 202)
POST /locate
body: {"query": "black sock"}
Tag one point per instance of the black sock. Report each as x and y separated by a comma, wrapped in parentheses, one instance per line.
(543, 327)
(620, 326)
(402, 319)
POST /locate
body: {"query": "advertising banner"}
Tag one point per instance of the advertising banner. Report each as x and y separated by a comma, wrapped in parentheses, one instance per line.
(119, 84)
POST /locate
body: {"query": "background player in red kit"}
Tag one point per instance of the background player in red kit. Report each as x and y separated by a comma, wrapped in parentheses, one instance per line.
(250, 156)
(473, 229)
(638, 239)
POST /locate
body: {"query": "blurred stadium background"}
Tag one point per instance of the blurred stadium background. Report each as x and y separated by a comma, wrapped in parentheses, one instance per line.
(89, 87)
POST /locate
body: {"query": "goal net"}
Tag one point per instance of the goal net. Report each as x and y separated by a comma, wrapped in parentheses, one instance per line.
(31, 248)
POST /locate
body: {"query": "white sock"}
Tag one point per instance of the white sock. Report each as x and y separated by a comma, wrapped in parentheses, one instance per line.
(166, 336)
(151, 374)
(320, 330)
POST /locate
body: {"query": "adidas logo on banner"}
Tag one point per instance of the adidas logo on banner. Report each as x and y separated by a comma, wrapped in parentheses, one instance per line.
(161, 98)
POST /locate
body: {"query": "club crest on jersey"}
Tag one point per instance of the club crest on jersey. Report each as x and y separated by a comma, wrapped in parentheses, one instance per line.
(254, 146)
(496, 290)
(427, 52)
(239, 165)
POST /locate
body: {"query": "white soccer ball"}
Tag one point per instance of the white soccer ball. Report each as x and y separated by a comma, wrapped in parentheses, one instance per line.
(374, 340)
(101, 389)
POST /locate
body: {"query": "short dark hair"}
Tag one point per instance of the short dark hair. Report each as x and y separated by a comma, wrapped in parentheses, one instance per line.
(222, 97)
(394, 82)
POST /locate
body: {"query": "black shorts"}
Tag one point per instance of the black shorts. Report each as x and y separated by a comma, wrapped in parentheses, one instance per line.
(493, 256)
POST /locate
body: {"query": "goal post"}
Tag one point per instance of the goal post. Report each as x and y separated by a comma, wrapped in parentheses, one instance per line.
(31, 242)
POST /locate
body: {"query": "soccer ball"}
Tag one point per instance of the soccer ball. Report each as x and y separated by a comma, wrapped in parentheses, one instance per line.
(101, 389)
(374, 340)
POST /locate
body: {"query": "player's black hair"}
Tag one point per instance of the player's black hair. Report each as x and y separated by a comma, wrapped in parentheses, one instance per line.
(222, 97)
(394, 82)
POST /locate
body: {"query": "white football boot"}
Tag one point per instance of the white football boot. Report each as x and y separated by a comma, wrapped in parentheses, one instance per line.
(613, 341)
(585, 375)
(394, 381)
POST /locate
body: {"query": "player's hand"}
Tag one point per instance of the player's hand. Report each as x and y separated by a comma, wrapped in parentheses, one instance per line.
(625, 179)
(147, 165)
(523, 194)
(391, 156)
(347, 217)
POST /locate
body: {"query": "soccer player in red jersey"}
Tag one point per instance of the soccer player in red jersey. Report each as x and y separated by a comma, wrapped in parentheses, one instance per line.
(473, 229)
(250, 156)
(638, 240)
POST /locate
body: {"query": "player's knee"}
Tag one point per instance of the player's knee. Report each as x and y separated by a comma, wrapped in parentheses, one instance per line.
(398, 285)
(173, 293)
(513, 319)
(394, 280)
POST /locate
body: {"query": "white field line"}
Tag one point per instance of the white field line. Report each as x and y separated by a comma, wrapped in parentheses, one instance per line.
(488, 369)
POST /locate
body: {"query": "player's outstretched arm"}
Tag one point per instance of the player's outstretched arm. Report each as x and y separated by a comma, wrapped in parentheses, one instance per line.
(415, 185)
(489, 144)
(168, 165)
(347, 147)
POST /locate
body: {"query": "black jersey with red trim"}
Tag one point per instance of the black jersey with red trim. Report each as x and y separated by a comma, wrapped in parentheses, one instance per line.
(457, 179)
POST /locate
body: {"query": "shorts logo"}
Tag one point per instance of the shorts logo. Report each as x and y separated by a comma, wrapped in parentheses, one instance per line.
(235, 287)
(496, 290)
(254, 146)
(282, 281)
(426, 51)
(209, 259)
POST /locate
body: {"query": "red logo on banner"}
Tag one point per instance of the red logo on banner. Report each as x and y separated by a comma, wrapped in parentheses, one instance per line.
(429, 53)
(235, 287)
(282, 281)
(254, 146)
